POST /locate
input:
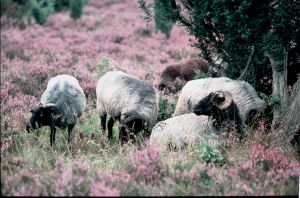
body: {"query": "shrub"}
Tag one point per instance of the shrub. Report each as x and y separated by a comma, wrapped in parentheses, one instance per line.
(161, 22)
(41, 10)
(166, 109)
(207, 152)
(76, 7)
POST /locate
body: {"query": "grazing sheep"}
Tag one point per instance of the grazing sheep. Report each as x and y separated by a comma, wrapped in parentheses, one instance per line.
(243, 95)
(131, 101)
(182, 131)
(185, 71)
(221, 107)
(61, 104)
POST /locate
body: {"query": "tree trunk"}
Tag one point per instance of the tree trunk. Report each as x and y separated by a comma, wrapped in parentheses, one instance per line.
(280, 91)
(291, 121)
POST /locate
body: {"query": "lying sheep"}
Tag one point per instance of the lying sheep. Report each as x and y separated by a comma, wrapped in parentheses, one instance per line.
(243, 94)
(221, 107)
(132, 102)
(185, 71)
(183, 131)
(61, 104)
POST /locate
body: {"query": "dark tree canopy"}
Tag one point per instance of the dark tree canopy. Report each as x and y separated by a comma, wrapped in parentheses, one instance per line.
(229, 29)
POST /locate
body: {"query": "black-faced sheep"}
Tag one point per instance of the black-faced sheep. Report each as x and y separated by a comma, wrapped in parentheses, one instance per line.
(183, 131)
(131, 101)
(221, 107)
(61, 104)
(243, 95)
(184, 71)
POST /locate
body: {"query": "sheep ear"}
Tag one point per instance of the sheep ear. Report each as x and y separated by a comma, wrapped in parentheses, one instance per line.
(57, 117)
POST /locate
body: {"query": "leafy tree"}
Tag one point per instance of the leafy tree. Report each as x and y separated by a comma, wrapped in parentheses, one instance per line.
(162, 23)
(253, 38)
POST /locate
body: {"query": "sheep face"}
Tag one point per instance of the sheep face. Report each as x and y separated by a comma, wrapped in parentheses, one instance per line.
(203, 107)
(168, 76)
(130, 126)
(215, 100)
(44, 116)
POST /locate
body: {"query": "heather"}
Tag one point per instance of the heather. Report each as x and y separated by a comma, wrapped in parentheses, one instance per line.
(113, 35)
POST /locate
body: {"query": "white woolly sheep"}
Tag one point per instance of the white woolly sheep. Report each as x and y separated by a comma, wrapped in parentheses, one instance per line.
(243, 94)
(61, 104)
(182, 131)
(131, 101)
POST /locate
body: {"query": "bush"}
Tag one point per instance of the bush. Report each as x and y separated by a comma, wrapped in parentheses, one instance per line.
(76, 7)
(166, 109)
(208, 152)
(161, 22)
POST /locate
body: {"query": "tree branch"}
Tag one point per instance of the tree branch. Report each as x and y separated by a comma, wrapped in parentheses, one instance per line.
(248, 63)
(181, 18)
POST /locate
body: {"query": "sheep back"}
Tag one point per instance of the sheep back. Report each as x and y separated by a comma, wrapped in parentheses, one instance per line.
(185, 71)
(244, 95)
(65, 92)
(180, 131)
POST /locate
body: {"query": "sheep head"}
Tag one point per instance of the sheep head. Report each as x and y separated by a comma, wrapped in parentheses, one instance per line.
(219, 99)
(43, 116)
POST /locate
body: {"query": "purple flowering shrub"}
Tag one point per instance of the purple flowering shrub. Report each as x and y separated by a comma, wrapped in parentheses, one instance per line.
(112, 35)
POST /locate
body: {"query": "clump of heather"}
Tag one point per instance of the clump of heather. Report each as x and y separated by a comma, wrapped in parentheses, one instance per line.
(112, 35)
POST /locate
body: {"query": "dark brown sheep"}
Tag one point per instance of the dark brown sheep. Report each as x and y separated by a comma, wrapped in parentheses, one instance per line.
(184, 71)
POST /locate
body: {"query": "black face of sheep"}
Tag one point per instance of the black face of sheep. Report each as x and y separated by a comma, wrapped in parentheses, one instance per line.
(41, 116)
(221, 107)
(129, 127)
(204, 106)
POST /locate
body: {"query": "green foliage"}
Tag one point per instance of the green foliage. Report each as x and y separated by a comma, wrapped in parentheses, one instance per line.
(200, 75)
(105, 64)
(146, 9)
(41, 10)
(166, 109)
(227, 29)
(162, 23)
(207, 152)
(76, 7)
(275, 101)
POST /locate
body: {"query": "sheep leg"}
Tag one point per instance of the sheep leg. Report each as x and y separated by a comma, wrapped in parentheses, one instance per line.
(52, 135)
(110, 125)
(103, 121)
(70, 128)
(122, 134)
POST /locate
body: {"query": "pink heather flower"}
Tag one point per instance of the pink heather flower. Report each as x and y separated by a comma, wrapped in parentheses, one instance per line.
(28, 191)
(100, 189)
(82, 166)
(63, 184)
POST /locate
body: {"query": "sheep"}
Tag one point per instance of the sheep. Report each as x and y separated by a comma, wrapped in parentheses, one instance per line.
(221, 107)
(183, 131)
(243, 95)
(131, 101)
(61, 104)
(184, 71)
